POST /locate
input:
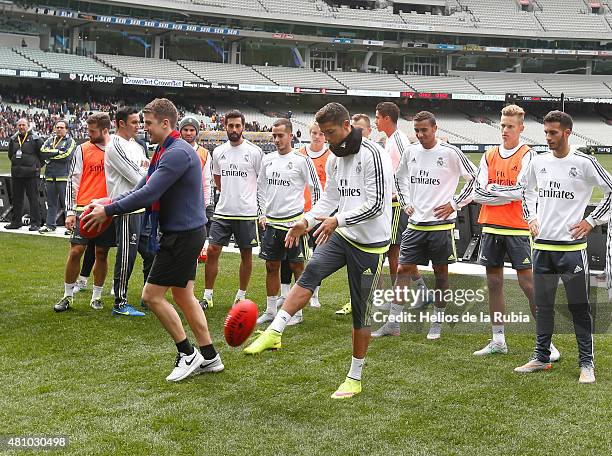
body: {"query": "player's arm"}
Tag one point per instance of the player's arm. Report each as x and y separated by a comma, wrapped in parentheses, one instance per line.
(216, 172)
(402, 182)
(206, 180)
(74, 181)
(312, 179)
(599, 177)
(468, 172)
(170, 168)
(374, 191)
(511, 193)
(262, 189)
(530, 198)
(481, 194)
(329, 200)
(120, 162)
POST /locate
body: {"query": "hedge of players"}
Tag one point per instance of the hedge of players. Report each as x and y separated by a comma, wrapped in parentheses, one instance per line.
(357, 203)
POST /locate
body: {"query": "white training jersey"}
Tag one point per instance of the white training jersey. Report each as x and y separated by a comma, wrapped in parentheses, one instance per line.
(395, 146)
(281, 184)
(125, 164)
(557, 192)
(238, 168)
(360, 187)
(499, 195)
(428, 178)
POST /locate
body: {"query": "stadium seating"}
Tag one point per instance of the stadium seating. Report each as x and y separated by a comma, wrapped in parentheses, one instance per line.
(576, 85)
(66, 63)
(369, 81)
(225, 73)
(500, 14)
(147, 68)
(10, 59)
(301, 77)
(501, 83)
(440, 84)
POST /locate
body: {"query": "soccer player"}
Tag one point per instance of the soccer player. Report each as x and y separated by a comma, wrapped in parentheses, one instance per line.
(426, 181)
(86, 182)
(283, 176)
(504, 230)
(557, 188)
(362, 121)
(359, 185)
(235, 168)
(175, 174)
(125, 164)
(57, 152)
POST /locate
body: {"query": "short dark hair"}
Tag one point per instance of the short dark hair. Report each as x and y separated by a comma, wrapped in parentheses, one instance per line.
(284, 123)
(100, 119)
(564, 119)
(388, 109)
(162, 108)
(234, 114)
(358, 117)
(64, 121)
(425, 115)
(332, 112)
(124, 112)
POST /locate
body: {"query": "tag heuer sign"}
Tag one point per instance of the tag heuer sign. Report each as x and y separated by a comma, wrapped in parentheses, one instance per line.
(93, 78)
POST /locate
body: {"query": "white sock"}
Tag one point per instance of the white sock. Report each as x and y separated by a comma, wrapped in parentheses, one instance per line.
(208, 294)
(395, 311)
(439, 315)
(69, 289)
(240, 295)
(420, 282)
(285, 288)
(97, 292)
(498, 334)
(271, 304)
(315, 293)
(356, 366)
(82, 279)
(298, 313)
(280, 321)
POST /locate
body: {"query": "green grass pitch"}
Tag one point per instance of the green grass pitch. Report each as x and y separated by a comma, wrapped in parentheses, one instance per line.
(100, 381)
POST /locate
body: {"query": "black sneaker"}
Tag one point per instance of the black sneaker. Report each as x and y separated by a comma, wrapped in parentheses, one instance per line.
(68, 232)
(12, 226)
(46, 229)
(96, 304)
(63, 305)
(34, 228)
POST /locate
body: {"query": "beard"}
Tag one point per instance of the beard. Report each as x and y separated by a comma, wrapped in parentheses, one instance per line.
(234, 137)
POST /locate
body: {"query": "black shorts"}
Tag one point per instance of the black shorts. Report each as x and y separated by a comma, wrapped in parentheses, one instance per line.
(421, 247)
(273, 246)
(399, 223)
(363, 270)
(106, 238)
(494, 247)
(176, 261)
(246, 232)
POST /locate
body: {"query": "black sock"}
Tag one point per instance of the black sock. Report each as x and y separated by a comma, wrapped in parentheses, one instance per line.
(208, 351)
(185, 347)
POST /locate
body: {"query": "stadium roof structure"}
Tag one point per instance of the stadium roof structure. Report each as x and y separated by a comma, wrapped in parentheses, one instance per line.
(550, 19)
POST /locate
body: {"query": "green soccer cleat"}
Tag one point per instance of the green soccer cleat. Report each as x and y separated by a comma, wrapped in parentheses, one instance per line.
(348, 389)
(268, 340)
(346, 309)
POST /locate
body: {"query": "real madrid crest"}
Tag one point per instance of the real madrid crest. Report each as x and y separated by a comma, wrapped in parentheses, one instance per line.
(358, 169)
(573, 172)
(440, 161)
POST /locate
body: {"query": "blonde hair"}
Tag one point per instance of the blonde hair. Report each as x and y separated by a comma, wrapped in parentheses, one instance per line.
(312, 125)
(514, 111)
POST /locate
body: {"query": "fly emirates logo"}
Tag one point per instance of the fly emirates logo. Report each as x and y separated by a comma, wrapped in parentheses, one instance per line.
(424, 179)
(345, 190)
(276, 180)
(554, 190)
(233, 171)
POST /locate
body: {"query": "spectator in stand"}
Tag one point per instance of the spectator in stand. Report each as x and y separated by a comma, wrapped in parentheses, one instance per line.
(24, 154)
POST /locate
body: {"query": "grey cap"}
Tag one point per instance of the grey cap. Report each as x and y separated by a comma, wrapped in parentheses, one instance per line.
(189, 120)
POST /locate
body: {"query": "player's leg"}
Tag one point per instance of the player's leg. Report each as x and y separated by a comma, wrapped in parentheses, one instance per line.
(219, 236)
(576, 282)
(272, 251)
(285, 279)
(364, 275)
(52, 191)
(326, 260)
(89, 258)
(189, 305)
(545, 280)
(295, 256)
(71, 272)
(246, 233)
(441, 276)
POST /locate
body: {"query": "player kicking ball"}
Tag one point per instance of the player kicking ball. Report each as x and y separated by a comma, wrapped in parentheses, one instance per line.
(359, 185)
(426, 179)
(557, 188)
(283, 176)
